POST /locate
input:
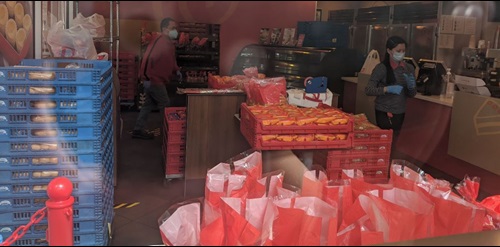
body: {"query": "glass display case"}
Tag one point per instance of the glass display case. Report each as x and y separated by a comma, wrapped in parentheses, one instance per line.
(294, 63)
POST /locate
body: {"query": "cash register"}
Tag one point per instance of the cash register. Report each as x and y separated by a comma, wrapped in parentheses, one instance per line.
(430, 77)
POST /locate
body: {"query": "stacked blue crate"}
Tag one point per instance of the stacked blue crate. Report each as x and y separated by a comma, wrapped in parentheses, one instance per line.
(56, 120)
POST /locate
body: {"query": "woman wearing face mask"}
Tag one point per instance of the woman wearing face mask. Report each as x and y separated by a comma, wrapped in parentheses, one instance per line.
(392, 81)
(158, 68)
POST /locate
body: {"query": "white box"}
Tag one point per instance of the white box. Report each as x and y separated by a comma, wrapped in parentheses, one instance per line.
(296, 97)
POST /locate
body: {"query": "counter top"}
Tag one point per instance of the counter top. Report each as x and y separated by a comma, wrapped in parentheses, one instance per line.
(433, 98)
(436, 99)
(350, 79)
(206, 91)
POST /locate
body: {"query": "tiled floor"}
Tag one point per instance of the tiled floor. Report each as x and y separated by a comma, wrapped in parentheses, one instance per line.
(141, 179)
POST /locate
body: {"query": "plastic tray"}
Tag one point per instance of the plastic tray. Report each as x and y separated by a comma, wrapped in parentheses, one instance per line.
(371, 174)
(56, 104)
(373, 136)
(79, 212)
(46, 132)
(357, 161)
(174, 147)
(382, 148)
(60, 146)
(89, 71)
(97, 238)
(23, 90)
(38, 201)
(174, 121)
(175, 136)
(249, 120)
(39, 119)
(256, 141)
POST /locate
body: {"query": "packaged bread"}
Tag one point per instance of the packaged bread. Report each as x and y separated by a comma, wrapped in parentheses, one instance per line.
(42, 75)
(286, 138)
(45, 174)
(268, 137)
(341, 136)
(44, 118)
(305, 120)
(43, 104)
(271, 121)
(324, 120)
(45, 160)
(39, 187)
(325, 137)
(340, 121)
(44, 132)
(44, 146)
(42, 90)
(305, 138)
(286, 122)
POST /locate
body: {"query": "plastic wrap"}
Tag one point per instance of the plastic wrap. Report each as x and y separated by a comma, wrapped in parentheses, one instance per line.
(180, 224)
(75, 42)
(269, 91)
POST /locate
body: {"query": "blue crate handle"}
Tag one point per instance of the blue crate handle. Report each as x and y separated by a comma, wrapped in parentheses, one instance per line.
(316, 84)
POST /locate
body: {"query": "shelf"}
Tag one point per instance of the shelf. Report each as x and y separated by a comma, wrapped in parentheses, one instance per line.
(184, 52)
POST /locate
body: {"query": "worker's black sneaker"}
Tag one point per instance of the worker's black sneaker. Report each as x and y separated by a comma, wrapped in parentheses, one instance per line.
(141, 134)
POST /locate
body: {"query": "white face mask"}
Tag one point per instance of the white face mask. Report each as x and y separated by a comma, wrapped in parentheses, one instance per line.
(173, 34)
(398, 56)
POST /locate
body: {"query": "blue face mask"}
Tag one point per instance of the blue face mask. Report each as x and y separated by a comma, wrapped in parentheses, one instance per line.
(173, 34)
(398, 56)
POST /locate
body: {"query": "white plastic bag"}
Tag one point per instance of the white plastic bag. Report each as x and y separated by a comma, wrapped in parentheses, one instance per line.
(371, 61)
(94, 23)
(74, 42)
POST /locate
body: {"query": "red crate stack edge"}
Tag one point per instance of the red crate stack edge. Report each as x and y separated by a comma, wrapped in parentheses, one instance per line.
(128, 75)
(174, 141)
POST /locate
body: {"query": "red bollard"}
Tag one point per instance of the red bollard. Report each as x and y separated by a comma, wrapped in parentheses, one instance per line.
(60, 212)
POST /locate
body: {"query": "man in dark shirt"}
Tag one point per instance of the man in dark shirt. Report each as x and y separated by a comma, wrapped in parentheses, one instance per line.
(158, 66)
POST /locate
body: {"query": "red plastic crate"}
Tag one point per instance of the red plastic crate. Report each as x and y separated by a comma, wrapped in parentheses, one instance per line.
(174, 169)
(355, 161)
(128, 81)
(372, 136)
(249, 120)
(176, 136)
(175, 118)
(174, 158)
(256, 141)
(179, 147)
(371, 174)
(364, 148)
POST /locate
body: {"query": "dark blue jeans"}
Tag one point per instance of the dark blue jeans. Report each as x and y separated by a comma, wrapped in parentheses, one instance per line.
(155, 95)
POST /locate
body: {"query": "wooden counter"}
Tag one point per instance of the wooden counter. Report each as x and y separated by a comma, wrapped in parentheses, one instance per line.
(212, 132)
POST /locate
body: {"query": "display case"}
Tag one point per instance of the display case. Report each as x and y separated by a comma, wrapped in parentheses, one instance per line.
(294, 63)
(298, 63)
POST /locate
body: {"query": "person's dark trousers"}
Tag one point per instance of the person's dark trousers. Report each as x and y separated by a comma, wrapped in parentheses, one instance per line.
(395, 123)
(155, 95)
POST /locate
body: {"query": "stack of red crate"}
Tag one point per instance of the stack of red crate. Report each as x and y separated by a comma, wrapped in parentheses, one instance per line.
(128, 75)
(174, 141)
(370, 152)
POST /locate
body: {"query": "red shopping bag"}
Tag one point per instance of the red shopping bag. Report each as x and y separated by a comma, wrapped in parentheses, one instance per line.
(304, 221)
(313, 183)
(338, 193)
(359, 233)
(248, 222)
(405, 175)
(359, 187)
(399, 214)
(454, 215)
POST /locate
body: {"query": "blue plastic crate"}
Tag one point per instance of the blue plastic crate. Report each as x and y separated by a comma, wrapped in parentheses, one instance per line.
(51, 131)
(79, 226)
(56, 104)
(59, 146)
(38, 201)
(24, 215)
(45, 70)
(39, 119)
(81, 239)
(47, 91)
(44, 172)
(51, 162)
(40, 187)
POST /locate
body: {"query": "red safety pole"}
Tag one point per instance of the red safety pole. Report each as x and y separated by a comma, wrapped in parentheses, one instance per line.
(60, 212)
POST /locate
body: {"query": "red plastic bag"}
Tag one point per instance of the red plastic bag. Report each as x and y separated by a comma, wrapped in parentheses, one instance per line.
(251, 72)
(405, 175)
(269, 91)
(304, 221)
(338, 193)
(313, 183)
(218, 82)
(247, 222)
(454, 215)
(180, 223)
(359, 233)
(399, 214)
